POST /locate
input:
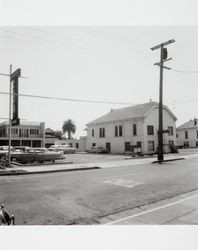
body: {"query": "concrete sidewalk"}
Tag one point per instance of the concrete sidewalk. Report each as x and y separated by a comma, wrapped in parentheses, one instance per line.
(64, 167)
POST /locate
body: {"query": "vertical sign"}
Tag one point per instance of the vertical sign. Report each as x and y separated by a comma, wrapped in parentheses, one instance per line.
(15, 113)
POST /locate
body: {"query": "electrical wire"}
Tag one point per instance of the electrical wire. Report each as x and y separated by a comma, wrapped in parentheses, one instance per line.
(185, 71)
(68, 99)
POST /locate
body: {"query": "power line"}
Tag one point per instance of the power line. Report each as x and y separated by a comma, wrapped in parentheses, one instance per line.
(69, 99)
(185, 71)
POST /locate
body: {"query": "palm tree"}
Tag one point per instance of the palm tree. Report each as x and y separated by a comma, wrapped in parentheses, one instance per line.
(69, 127)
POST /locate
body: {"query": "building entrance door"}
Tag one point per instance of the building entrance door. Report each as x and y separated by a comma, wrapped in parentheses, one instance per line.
(108, 146)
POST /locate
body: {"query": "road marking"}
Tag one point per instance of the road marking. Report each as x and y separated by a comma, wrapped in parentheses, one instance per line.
(117, 176)
(123, 182)
(151, 210)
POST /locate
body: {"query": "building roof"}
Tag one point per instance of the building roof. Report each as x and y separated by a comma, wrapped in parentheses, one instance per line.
(137, 111)
(190, 124)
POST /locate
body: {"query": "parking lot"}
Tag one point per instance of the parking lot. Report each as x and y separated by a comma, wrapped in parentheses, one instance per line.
(82, 157)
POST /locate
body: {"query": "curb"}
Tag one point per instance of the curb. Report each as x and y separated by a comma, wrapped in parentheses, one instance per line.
(176, 159)
(22, 172)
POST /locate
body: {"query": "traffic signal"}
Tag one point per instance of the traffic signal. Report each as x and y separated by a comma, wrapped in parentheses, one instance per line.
(165, 53)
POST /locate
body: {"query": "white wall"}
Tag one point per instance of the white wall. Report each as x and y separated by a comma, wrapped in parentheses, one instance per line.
(192, 137)
(118, 143)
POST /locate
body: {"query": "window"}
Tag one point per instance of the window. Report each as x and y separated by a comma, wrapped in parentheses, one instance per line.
(177, 135)
(102, 132)
(34, 131)
(14, 131)
(196, 143)
(186, 134)
(150, 130)
(150, 145)
(92, 132)
(116, 131)
(134, 129)
(197, 133)
(77, 145)
(93, 144)
(170, 130)
(120, 130)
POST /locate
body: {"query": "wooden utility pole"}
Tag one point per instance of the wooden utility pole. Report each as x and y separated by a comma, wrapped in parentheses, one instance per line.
(163, 58)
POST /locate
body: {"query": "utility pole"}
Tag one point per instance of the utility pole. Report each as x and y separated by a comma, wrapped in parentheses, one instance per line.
(15, 120)
(163, 58)
(10, 110)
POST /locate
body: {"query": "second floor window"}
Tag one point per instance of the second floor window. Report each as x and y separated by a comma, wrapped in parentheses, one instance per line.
(134, 129)
(197, 133)
(92, 132)
(118, 131)
(102, 132)
(186, 134)
(170, 130)
(150, 130)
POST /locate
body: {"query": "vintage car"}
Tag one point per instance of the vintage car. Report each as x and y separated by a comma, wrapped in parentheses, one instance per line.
(30, 155)
(96, 149)
(4, 151)
(66, 149)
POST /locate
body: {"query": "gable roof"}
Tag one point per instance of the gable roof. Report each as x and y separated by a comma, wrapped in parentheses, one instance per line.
(137, 111)
(190, 124)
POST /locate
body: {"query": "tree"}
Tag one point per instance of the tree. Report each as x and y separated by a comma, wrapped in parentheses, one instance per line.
(69, 127)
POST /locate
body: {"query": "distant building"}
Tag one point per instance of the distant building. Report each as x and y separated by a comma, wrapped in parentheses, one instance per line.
(30, 134)
(133, 128)
(187, 134)
(79, 144)
(50, 137)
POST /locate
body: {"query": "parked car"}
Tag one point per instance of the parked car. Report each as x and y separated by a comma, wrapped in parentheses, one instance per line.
(4, 151)
(96, 149)
(66, 149)
(30, 155)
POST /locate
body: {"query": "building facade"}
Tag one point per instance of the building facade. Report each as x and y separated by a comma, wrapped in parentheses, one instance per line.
(187, 134)
(30, 134)
(133, 128)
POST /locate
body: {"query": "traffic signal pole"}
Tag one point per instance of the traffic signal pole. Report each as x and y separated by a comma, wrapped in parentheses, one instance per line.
(163, 58)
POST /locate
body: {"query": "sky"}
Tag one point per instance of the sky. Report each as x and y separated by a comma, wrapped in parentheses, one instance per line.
(97, 63)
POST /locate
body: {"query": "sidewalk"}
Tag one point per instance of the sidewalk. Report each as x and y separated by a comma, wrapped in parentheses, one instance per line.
(68, 166)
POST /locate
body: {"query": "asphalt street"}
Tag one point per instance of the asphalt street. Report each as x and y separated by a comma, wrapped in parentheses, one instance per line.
(95, 196)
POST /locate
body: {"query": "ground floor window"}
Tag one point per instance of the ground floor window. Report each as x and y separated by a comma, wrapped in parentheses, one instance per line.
(196, 143)
(93, 144)
(36, 144)
(150, 145)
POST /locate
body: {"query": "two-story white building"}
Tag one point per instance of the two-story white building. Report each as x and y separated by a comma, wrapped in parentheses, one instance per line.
(30, 134)
(126, 129)
(187, 134)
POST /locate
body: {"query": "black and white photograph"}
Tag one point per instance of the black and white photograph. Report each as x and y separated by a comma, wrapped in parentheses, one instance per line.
(99, 126)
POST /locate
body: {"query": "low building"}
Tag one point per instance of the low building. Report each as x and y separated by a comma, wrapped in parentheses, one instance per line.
(50, 137)
(30, 134)
(133, 128)
(187, 134)
(79, 144)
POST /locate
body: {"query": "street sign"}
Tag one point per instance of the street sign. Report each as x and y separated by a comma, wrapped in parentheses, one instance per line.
(15, 103)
